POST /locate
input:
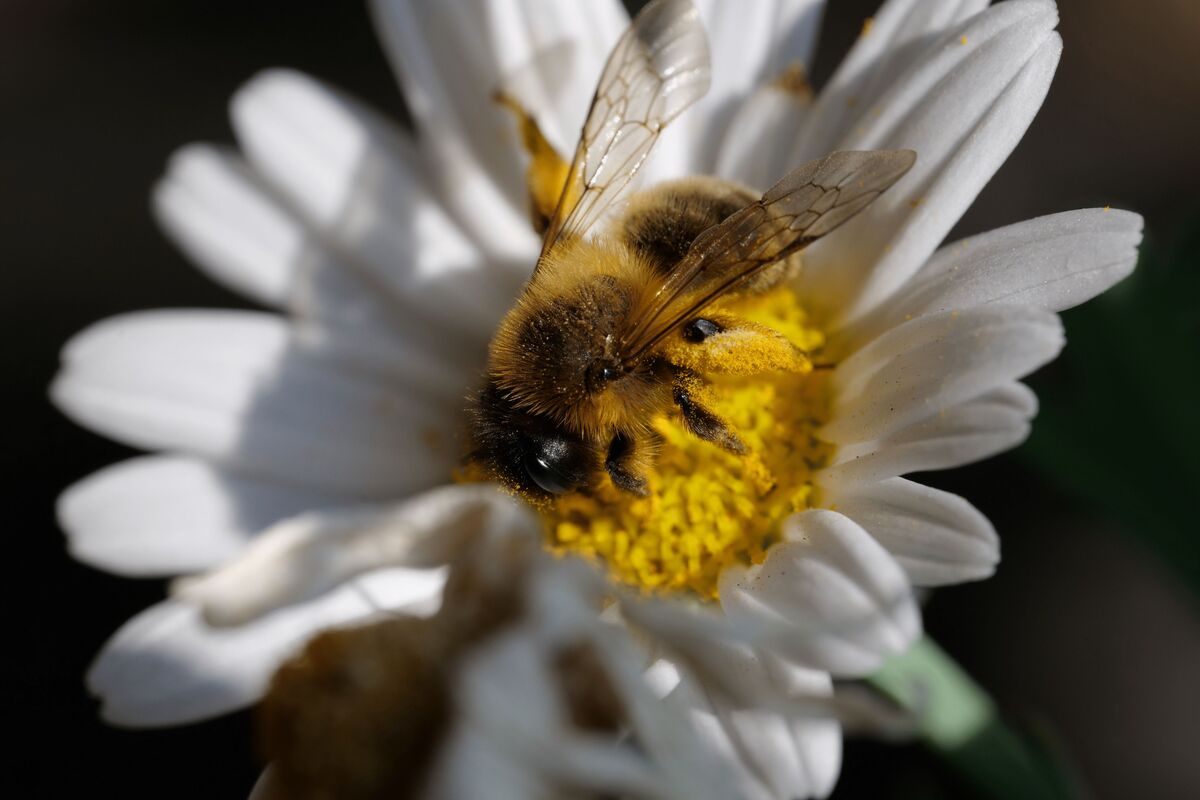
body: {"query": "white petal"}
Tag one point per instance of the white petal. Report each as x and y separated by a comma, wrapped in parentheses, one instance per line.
(232, 386)
(451, 57)
(209, 204)
(751, 44)
(470, 764)
(790, 758)
(846, 598)
(938, 537)
(164, 515)
(963, 109)
(818, 742)
(263, 787)
(507, 688)
(757, 147)
(667, 736)
(982, 427)
(933, 363)
(359, 182)
(221, 215)
(310, 554)
(167, 667)
(899, 33)
(1052, 262)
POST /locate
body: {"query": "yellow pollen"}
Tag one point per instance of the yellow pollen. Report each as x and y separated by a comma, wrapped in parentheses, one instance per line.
(706, 508)
(963, 40)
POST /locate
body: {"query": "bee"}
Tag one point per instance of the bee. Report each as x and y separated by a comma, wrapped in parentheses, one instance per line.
(617, 328)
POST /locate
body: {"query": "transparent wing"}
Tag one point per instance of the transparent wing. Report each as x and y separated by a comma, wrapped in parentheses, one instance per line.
(659, 67)
(808, 203)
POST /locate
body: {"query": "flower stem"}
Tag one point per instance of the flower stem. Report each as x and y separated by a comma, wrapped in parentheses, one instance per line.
(959, 721)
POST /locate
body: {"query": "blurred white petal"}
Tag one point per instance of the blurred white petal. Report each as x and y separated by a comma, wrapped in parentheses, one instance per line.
(751, 44)
(231, 386)
(359, 182)
(451, 57)
(308, 555)
(166, 666)
(162, 515)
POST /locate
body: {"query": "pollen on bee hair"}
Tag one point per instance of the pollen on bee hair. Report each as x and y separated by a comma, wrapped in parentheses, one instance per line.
(706, 508)
(547, 343)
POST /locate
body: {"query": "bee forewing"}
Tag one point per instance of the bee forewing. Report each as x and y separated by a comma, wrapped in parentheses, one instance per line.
(821, 195)
(659, 67)
(808, 203)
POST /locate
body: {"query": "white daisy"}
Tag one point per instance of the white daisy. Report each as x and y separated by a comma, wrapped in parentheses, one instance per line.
(390, 258)
(518, 687)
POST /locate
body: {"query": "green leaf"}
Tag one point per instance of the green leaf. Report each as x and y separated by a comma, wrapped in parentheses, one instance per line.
(960, 722)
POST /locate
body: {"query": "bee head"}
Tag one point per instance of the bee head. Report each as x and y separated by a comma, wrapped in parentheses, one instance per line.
(528, 452)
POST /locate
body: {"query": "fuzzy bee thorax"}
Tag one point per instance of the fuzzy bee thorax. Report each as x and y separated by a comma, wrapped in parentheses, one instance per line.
(554, 353)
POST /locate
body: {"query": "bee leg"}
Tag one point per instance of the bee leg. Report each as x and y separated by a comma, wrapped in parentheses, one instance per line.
(625, 455)
(723, 344)
(547, 172)
(703, 423)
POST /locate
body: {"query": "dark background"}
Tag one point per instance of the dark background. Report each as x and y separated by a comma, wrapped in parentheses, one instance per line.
(1087, 636)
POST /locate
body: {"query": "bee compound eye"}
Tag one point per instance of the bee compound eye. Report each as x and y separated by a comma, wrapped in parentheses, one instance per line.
(700, 329)
(541, 470)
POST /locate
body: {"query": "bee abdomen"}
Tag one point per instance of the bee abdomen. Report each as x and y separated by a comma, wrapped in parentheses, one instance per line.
(662, 222)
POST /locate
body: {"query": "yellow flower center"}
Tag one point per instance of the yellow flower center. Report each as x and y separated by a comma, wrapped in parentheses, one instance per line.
(707, 508)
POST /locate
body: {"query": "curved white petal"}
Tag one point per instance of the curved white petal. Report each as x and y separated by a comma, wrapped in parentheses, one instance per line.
(359, 182)
(163, 515)
(751, 44)
(938, 537)
(165, 666)
(931, 364)
(963, 109)
(507, 687)
(307, 555)
(264, 788)
(756, 148)
(817, 742)
(897, 35)
(219, 213)
(781, 757)
(1052, 262)
(209, 204)
(451, 57)
(234, 387)
(832, 580)
(472, 764)
(987, 425)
